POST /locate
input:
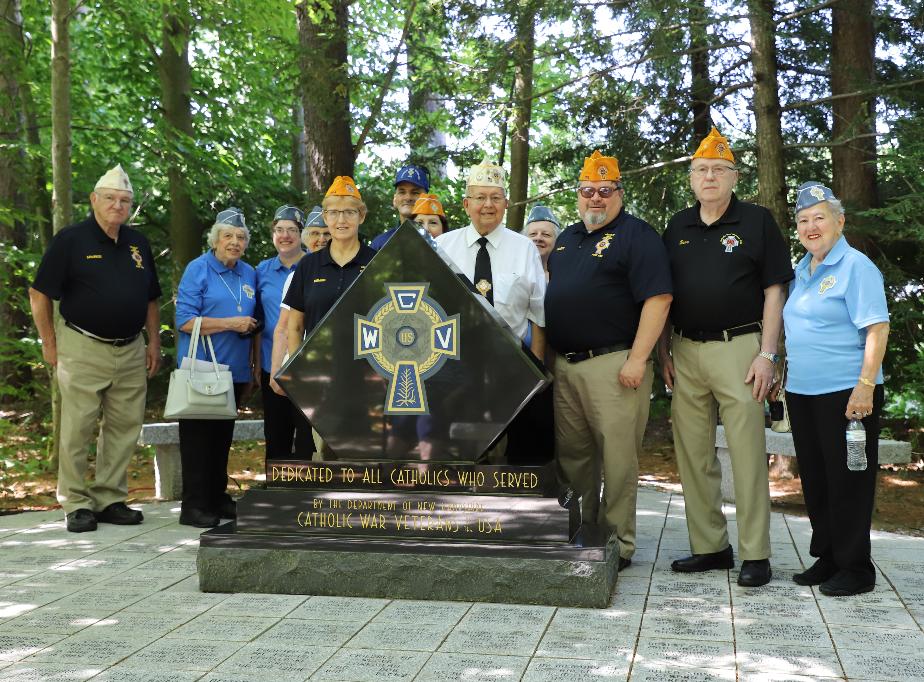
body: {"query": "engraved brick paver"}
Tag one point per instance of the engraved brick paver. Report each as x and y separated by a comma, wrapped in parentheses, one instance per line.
(124, 605)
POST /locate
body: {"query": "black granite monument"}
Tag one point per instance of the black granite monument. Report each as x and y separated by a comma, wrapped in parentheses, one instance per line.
(410, 379)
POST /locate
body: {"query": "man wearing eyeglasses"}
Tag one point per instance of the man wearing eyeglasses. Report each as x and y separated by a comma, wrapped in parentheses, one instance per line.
(608, 296)
(729, 263)
(103, 273)
(504, 265)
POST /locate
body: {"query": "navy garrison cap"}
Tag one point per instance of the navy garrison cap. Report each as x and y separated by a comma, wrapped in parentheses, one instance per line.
(315, 219)
(416, 175)
(540, 212)
(290, 213)
(811, 193)
(231, 216)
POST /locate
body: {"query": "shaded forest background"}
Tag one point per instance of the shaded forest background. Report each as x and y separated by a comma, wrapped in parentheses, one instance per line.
(256, 103)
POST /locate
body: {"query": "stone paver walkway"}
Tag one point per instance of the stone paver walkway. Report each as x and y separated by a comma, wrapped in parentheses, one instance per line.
(123, 604)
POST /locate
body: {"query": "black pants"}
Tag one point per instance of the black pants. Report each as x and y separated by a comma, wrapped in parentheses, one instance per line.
(839, 501)
(204, 448)
(281, 419)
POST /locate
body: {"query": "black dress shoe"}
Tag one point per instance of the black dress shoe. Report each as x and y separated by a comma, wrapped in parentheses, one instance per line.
(705, 562)
(846, 584)
(120, 514)
(819, 572)
(754, 572)
(623, 563)
(198, 518)
(81, 521)
(227, 509)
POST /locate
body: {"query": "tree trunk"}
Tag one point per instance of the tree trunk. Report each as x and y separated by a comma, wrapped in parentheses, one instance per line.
(523, 53)
(13, 190)
(299, 161)
(62, 200)
(426, 139)
(853, 43)
(771, 173)
(324, 86)
(176, 91)
(38, 198)
(701, 87)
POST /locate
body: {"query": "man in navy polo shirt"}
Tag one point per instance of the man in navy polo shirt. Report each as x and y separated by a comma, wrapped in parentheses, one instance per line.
(607, 299)
(729, 263)
(103, 273)
(410, 182)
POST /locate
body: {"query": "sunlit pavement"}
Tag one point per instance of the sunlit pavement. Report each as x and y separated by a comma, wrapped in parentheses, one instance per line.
(123, 604)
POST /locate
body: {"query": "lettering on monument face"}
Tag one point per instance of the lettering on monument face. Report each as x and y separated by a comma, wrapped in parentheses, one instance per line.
(406, 477)
(397, 515)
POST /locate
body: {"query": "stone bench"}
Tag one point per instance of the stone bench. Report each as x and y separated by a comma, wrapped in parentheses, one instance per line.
(781, 445)
(165, 438)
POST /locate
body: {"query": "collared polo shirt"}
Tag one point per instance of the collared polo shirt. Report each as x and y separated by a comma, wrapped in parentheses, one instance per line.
(271, 276)
(720, 270)
(599, 281)
(380, 240)
(104, 285)
(826, 317)
(517, 277)
(319, 281)
(209, 288)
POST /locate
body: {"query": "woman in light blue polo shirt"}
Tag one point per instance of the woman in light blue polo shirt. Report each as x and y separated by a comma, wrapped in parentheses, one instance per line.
(221, 289)
(837, 326)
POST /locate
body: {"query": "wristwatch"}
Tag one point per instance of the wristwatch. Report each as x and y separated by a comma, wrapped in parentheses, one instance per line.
(772, 357)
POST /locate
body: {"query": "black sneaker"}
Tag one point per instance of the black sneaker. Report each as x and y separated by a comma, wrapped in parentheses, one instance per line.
(198, 518)
(120, 514)
(227, 509)
(819, 572)
(81, 521)
(846, 584)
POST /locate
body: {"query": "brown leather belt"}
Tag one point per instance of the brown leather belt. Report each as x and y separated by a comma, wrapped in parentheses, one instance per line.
(580, 356)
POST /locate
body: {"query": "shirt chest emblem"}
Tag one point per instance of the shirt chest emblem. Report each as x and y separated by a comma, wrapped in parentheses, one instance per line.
(94, 256)
(136, 256)
(248, 290)
(602, 245)
(559, 248)
(683, 242)
(826, 284)
(318, 280)
(730, 242)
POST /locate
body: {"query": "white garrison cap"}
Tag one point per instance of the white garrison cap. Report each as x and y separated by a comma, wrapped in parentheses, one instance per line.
(114, 178)
(486, 174)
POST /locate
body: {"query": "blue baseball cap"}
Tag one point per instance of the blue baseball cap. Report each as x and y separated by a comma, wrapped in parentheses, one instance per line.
(416, 175)
(540, 212)
(811, 193)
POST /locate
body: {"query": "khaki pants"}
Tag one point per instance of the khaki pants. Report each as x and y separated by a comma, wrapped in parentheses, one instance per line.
(710, 375)
(94, 377)
(599, 425)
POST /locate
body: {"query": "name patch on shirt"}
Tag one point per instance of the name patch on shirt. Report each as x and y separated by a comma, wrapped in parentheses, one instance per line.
(684, 242)
(95, 256)
(560, 248)
(317, 280)
(826, 284)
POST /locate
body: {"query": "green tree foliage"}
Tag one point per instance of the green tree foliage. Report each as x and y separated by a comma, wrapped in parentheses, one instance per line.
(432, 81)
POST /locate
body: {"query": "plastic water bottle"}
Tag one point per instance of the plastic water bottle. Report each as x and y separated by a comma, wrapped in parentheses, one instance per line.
(856, 446)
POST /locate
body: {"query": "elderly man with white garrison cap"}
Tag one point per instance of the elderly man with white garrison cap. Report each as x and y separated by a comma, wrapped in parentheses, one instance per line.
(102, 272)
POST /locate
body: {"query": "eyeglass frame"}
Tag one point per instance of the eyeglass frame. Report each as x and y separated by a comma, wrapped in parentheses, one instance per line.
(598, 190)
(335, 213)
(717, 171)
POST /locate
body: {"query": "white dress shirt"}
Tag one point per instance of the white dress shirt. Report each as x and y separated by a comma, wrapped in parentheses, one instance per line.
(516, 272)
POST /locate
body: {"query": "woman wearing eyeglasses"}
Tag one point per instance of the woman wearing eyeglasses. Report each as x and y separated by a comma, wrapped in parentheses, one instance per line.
(281, 420)
(220, 288)
(322, 277)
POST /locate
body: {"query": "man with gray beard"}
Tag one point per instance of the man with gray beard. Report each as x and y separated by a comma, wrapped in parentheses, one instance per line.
(607, 299)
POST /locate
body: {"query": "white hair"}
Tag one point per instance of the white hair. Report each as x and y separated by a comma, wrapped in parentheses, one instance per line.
(212, 239)
(556, 230)
(837, 208)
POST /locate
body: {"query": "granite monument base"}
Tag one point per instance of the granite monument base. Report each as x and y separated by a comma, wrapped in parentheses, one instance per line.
(551, 575)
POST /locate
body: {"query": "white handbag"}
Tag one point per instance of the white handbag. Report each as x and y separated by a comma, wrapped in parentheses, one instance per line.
(197, 393)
